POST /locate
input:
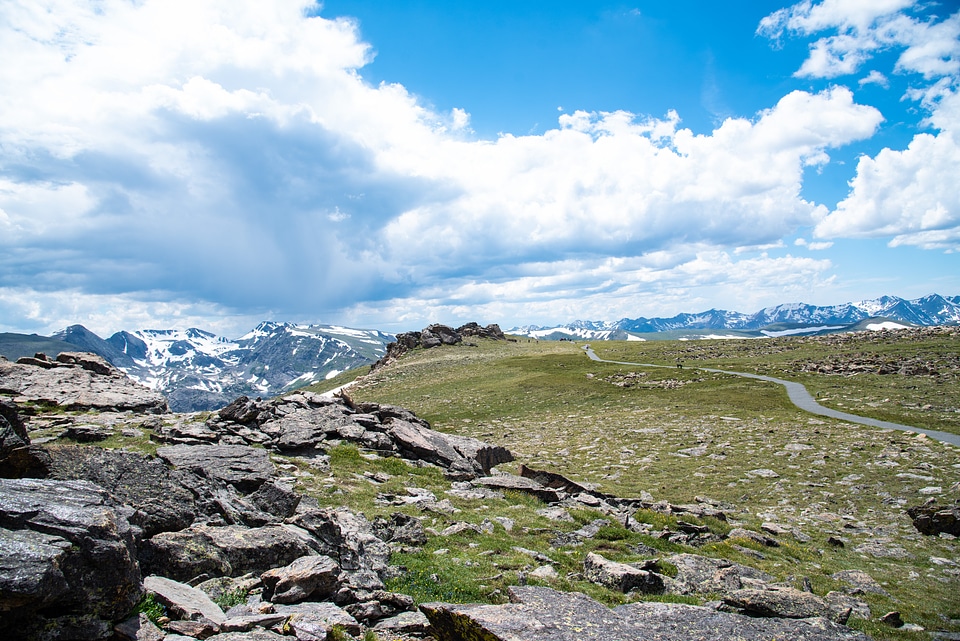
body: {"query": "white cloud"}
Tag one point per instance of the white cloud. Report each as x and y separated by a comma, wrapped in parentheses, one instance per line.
(875, 78)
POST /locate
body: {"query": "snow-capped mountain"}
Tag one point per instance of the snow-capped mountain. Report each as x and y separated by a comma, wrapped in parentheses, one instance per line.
(198, 370)
(792, 318)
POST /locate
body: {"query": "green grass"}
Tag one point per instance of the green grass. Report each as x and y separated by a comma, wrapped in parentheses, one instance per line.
(680, 434)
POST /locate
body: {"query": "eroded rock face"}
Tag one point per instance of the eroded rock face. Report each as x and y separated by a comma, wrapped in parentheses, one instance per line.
(68, 563)
(18, 458)
(932, 519)
(546, 615)
(243, 467)
(78, 381)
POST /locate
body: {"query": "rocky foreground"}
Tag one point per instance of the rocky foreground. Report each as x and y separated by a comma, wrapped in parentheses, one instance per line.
(87, 534)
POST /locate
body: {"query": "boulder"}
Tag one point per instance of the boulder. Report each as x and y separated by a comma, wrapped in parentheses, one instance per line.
(183, 601)
(547, 615)
(308, 576)
(79, 385)
(504, 482)
(620, 576)
(68, 563)
(160, 496)
(243, 467)
(777, 601)
(18, 458)
(932, 519)
(314, 620)
(704, 575)
(231, 550)
(346, 537)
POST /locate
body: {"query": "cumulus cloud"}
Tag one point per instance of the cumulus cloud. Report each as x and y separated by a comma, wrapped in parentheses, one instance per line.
(906, 195)
(176, 159)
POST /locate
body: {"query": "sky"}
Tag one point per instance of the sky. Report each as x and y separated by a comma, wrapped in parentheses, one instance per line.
(387, 165)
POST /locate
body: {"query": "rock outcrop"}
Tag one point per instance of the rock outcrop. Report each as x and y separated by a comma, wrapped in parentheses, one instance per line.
(547, 615)
(933, 519)
(435, 336)
(77, 381)
(68, 560)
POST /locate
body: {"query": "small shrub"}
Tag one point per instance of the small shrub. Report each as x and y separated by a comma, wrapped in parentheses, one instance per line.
(151, 607)
(231, 598)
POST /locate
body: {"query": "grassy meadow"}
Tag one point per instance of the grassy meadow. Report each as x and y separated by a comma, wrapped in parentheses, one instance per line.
(679, 434)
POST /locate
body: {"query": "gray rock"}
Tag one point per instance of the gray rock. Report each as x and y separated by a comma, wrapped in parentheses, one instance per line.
(405, 623)
(860, 582)
(78, 386)
(704, 575)
(546, 615)
(505, 482)
(67, 559)
(308, 576)
(276, 499)
(231, 550)
(620, 576)
(840, 602)
(779, 602)
(401, 529)
(317, 619)
(346, 537)
(18, 459)
(243, 467)
(138, 628)
(183, 601)
(932, 519)
(159, 496)
(750, 535)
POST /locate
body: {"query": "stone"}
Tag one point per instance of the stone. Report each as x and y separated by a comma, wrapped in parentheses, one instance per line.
(276, 499)
(932, 519)
(750, 535)
(859, 581)
(68, 561)
(78, 386)
(183, 601)
(138, 628)
(401, 529)
(345, 537)
(404, 623)
(18, 458)
(620, 576)
(243, 467)
(199, 629)
(159, 495)
(509, 482)
(230, 550)
(840, 602)
(308, 576)
(779, 602)
(317, 618)
(547, 615)
(704, 575)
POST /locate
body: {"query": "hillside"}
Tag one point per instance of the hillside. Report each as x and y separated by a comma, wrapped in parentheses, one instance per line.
(683, 436)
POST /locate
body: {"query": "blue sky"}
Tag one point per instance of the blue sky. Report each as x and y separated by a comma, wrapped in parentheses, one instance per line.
(390, 164)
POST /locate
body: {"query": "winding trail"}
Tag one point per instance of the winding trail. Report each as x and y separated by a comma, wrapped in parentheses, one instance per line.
(800, 397)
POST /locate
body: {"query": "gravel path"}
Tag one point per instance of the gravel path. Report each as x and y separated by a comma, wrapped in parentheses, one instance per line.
(800, 397)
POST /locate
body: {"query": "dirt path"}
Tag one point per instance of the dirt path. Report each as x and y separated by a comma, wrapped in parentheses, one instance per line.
(800, 397)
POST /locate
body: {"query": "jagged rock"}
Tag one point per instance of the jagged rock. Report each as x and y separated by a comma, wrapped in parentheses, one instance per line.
(491, 331)
(159, 495)
(400, 528)
(78, 385)
(346, 537)
(510, 482)
(67, 560)
(779, 602)
(305, 577)
(243, 467)
(276, 499)
(138, 628)
(703, 575)
(223, 551)
(251, 621)
(464, 457)
(314, 620)
(932, 519)
(405, 624)
(751, 535)
(18, 458)
(859, 581)
(546, 615)
(183, 601)
(840, 602)
(620, 576)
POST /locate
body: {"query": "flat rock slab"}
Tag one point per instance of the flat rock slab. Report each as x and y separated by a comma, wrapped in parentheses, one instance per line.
(245, 468)
(547, 615)
(504, 482)
(305, 577)
(71, 386)
(183, 601)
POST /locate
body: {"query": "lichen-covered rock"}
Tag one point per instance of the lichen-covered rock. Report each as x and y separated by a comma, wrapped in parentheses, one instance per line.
(82, 381)
(620, 576)
(231, 550)
(245, 468)
(547, 615)
(308, 576)
(68, 565)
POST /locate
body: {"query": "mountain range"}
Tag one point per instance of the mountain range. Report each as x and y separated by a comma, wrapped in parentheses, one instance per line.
(197, 370)
(781, 320)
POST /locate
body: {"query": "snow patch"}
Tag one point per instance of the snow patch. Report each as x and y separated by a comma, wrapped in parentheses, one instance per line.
(876, 327)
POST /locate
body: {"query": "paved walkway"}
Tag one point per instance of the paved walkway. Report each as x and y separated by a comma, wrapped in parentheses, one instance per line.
(800, 397)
